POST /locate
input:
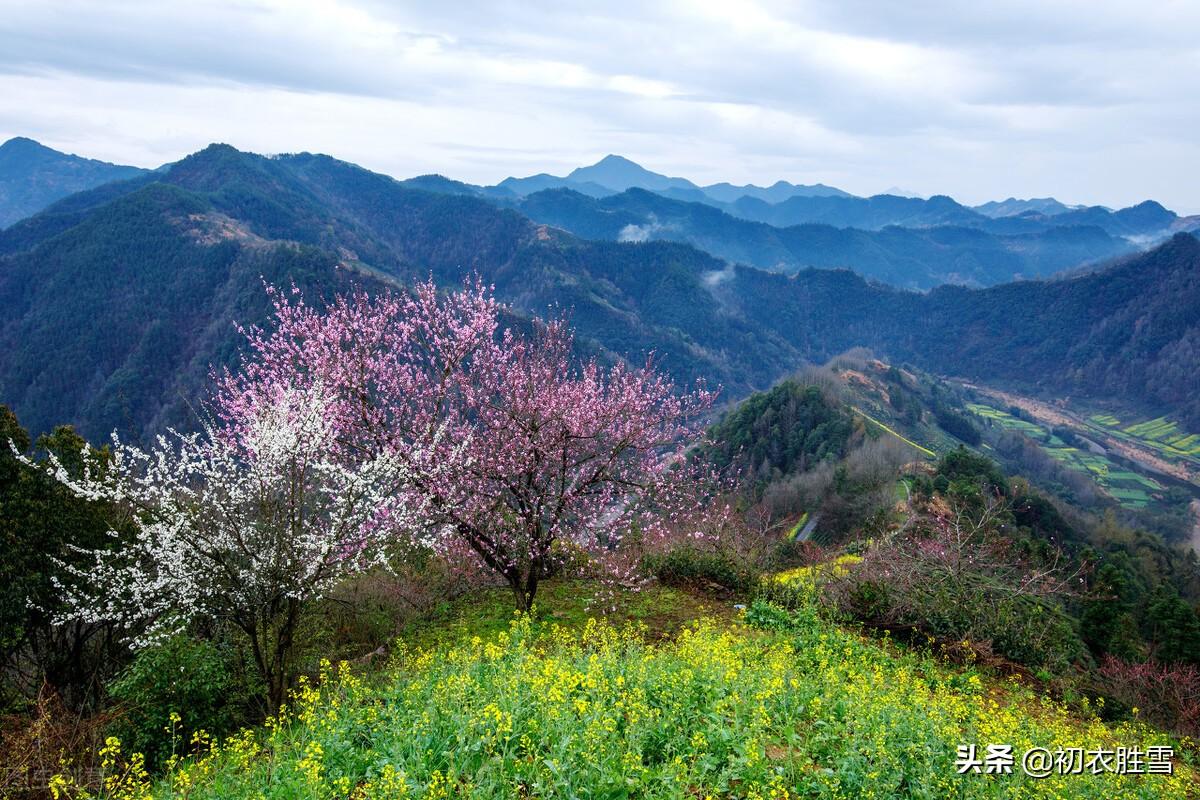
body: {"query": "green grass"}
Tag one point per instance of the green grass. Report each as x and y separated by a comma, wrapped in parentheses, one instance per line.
(663, 610)
(1161, 435)
(778, 705)
(794, 531)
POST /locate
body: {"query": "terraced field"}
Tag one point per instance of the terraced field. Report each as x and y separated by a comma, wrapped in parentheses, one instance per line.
(1128, 488)
(1161, 435)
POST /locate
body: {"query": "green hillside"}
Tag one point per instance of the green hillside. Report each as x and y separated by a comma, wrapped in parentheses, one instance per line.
(772, 704)
(32, 176)
(180, 246)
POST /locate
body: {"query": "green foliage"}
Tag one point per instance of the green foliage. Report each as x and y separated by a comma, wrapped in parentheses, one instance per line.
(1173, 627)
(40, 523)
(691, 566)
(1106, 620)
(174, 689)
(970, 470)
(957, 425)
(788, 429)
(797, 708)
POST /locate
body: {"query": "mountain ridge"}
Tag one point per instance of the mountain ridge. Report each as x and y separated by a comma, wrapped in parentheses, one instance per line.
(32, 176)
(113, 310)
(614, 174)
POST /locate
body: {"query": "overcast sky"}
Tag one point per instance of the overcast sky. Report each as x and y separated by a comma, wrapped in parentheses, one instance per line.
(1092, 102)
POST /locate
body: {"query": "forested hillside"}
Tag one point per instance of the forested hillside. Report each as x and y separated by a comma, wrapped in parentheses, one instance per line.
(33, 176)
(1130, 331)
(909, 257)
(120, 298)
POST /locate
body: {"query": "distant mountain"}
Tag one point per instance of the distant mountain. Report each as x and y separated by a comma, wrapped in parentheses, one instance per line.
(1145, 220)
(32, 176)
(946, 243)
(115, 302)
(785, 204)
(614, 174)
(543, 181)
(917, 258)
(619, 173)
(1011, 207)
(775, 193)
(898, 191)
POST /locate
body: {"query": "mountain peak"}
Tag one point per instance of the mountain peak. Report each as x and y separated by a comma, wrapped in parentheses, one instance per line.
(612, 159)
(22, 151)
(32, 176)
(619, 173)
(217, 165)
(23, 143)
(215, 154)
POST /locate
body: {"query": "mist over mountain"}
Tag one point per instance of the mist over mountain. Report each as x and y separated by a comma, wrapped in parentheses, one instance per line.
(919, 257)
(785, 204)
(912, 242)
(115, 302)
(32, 176)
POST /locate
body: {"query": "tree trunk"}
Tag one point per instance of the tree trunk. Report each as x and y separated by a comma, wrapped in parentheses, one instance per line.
(524, 587)
(272, 647)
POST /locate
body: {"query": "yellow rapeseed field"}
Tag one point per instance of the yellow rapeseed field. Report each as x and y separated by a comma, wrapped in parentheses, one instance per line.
(787, 707)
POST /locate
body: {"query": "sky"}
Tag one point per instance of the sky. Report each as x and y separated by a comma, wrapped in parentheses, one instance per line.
(1090, 102)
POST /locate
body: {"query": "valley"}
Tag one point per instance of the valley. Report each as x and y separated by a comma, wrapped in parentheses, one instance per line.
(124, 306)
(1156, 445)
(547, 401)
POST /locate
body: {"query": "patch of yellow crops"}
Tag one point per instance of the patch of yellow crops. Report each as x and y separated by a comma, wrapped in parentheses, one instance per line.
(814, 574)
(801, 709)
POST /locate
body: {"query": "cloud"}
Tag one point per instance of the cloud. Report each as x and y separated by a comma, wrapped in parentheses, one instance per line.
(643, 233)
(1092, 102)
(714, 278)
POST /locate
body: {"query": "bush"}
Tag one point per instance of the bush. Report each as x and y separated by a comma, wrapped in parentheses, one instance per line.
(801, 587)
(173, 690)
(1167, 695)
(1030, 630)
(690, 566)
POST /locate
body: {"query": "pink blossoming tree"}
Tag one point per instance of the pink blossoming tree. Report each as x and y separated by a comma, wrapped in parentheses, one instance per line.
(514, 448)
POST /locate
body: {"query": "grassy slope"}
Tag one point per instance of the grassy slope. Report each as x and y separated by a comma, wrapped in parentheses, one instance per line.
(562, 706)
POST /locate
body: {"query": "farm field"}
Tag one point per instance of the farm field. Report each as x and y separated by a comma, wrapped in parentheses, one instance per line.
(1130, 489)
(772, 704)
(1162, 435)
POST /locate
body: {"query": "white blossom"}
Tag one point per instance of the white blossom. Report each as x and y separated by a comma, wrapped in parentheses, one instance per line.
(233, 528)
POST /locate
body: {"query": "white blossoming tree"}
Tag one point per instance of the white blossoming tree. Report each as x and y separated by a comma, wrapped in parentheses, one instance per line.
(248, 528)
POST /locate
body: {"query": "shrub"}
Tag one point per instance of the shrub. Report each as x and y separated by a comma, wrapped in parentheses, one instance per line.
(1167, 695)
(957, 577)
(174, 689)
(799, 587)
(690, 566)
